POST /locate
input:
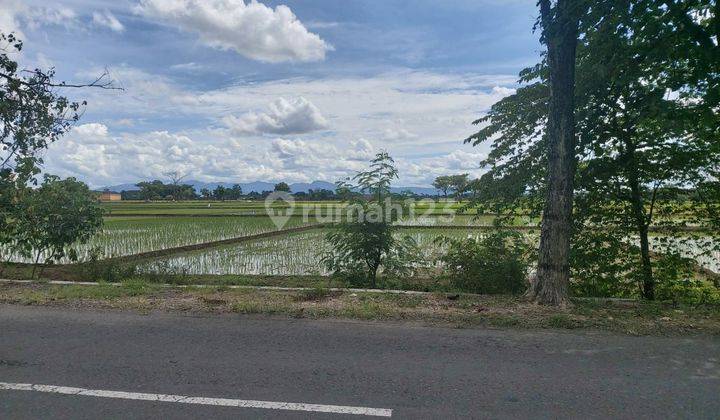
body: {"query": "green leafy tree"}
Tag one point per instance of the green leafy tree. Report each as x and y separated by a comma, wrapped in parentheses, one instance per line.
(443, 183)
(364, 242)
(236, 192)
(55, 215)
(33, 114)
(206, 194)
(219, 193)
(158, 190)
(646, 134)
(282, 187)
(459, 184)
(223, 193)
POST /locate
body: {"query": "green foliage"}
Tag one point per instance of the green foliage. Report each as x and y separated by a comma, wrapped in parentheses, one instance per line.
(364, 242)
(163, 273)
(32, 116)
(601, 262)
(111, 271)
(157, 190)
(458, 184)
(676, 281)
(495, 264)
(647, 146)
(222, 193)
(54, 216)
(282, 186)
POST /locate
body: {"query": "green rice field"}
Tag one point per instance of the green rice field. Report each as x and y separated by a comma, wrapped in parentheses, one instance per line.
(127, 232)
(121, 236)
(300, 254)
(291, 254)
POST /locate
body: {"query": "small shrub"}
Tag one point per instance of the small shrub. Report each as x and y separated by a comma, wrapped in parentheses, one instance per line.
(315, 294)
(495, 264)
(675, 281)
(164, 272)
(561, 321)
(688, 291)
(96, 269)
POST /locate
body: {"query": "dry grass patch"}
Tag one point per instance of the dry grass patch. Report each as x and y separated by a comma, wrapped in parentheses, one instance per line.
(434, 309)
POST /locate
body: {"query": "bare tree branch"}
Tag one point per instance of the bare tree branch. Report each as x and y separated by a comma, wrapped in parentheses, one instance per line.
(102, 81)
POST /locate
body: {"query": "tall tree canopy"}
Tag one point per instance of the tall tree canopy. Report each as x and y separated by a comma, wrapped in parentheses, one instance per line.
(647, 143)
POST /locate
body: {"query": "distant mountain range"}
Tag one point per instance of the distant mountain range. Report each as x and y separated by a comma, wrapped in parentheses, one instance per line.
(260, 186)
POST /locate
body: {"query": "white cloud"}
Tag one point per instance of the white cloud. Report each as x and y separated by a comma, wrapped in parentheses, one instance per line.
(16, 14)
(108, 20)
(94, 153)
(9, 12)
(421, 172)
(251, 29)
(420, 118)
(295, 116)
(398, 134)
(190, 67)
(91, 132)
(58, 15)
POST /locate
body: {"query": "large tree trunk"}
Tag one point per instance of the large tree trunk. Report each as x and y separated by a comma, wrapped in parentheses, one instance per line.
(560, 34)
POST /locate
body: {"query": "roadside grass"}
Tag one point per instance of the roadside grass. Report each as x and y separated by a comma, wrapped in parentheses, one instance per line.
(464, 311)
(40, 293)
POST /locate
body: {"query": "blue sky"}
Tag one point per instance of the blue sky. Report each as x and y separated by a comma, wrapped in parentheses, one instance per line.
(226, 90)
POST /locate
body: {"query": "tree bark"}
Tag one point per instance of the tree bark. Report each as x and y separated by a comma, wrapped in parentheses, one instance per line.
(373, 275)
(560, 34)
(641, 224)
(37, 259)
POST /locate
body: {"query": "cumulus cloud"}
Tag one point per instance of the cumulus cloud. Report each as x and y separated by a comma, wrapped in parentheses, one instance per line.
(95, 154)
(295, 116)
(251, 29)
(398, 134)
(15, 14)
(91, 152)
(92, 132)
(98, 155)
(421, 172)
(108, 20)
(425, 114)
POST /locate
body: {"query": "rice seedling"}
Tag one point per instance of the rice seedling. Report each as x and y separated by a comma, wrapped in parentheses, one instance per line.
(131, 235)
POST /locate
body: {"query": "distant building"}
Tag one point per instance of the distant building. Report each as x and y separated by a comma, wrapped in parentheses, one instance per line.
(109, 196)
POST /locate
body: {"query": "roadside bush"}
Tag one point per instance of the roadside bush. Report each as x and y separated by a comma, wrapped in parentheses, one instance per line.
(97, 269)
(495, 264)
(348, 262)
(675, 277)
(602, 263)
(165, 273)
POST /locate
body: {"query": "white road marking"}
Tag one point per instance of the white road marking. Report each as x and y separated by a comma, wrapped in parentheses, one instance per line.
(225, 402)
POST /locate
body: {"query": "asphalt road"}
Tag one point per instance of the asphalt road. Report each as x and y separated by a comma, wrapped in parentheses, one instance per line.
(417, 372)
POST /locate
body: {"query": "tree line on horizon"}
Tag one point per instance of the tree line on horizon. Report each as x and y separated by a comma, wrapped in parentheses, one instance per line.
(457, 186)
